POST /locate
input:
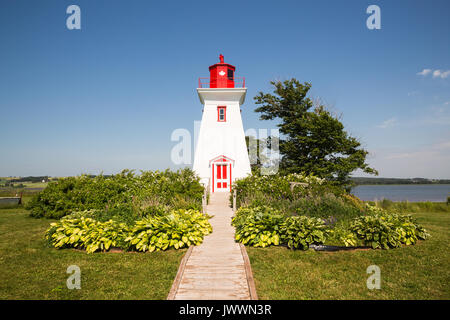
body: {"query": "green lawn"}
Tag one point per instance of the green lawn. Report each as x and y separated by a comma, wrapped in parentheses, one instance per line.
(31, 270)
(414, 272)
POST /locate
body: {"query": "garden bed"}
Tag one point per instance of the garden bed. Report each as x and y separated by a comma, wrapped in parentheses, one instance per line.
(153, 211)
(310, 211)
(410, 272)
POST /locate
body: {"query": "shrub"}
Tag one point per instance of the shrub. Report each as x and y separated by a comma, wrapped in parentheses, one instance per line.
(299, 232)
(149, 191)
(258, 227)
(178, 229)
(326, 205)
(320, 206)
(275, 186)
(318, 198)
(122, 215)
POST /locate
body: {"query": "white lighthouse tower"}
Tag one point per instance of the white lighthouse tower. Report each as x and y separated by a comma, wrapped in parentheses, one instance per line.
(221, 154)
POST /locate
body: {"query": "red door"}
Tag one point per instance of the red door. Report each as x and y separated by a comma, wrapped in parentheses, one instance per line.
(222, 177)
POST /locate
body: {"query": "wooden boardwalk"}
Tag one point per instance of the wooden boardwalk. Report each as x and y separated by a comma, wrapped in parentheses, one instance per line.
(218, 269)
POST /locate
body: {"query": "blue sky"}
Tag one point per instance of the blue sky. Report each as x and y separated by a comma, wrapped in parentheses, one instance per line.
(108, 96)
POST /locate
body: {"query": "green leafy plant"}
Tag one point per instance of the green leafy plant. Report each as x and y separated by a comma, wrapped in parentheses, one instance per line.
(387, 230)
(299, 232)
(275, 186)
(341, 235)
(178, 229)
(297, 194)
(258, 227)
(86, 233)
(149, 191)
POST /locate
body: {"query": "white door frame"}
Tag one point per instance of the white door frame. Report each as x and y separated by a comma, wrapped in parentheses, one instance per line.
(217, 185)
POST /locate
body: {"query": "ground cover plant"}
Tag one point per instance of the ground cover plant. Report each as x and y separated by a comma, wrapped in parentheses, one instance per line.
(273, 211)
(174, 230)
(178, 229)
(259, 226)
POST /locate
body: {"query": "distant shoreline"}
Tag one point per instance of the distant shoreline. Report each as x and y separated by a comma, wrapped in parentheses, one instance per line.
(398, 181)
(402, 184)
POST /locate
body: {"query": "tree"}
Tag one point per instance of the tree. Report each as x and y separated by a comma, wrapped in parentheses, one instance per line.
(312, 140)
(256, 149)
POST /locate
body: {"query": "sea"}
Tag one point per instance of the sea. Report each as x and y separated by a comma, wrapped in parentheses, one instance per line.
(403, 192)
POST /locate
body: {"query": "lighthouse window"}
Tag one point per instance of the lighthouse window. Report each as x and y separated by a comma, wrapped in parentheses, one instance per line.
(221, 114)
(230, 74)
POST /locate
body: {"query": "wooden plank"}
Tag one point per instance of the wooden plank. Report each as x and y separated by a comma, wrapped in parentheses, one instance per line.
(219, 268)
(249, 273)
(176, 282)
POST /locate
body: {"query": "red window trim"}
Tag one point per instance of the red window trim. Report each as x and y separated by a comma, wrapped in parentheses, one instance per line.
(224, 113)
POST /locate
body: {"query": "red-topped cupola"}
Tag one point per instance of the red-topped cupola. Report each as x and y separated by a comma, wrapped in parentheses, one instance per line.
(221, 75)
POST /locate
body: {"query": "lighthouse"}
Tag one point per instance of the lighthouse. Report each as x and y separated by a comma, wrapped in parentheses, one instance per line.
(221, 154)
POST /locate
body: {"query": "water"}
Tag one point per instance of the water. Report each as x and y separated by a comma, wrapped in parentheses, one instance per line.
(401, 192)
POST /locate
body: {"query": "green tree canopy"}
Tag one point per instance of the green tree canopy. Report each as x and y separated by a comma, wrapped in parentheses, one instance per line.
(312, 140)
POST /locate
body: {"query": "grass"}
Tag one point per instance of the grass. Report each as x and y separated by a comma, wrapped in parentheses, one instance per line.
(29, 269)
(413, 272)
(406, 206)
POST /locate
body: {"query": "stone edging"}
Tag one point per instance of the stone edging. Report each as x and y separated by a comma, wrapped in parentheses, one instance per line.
(176, 282)
(249, 274)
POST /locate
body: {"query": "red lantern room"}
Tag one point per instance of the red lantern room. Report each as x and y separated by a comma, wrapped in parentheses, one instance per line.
(221, 74)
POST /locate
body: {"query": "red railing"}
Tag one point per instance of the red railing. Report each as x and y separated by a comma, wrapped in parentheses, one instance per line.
(206, 82)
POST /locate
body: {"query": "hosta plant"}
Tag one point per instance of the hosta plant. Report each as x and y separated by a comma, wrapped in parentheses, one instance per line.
(299, 232)
(178, 229)
(258, 227)
(387, 230)
(341, 235)
(86, 233)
